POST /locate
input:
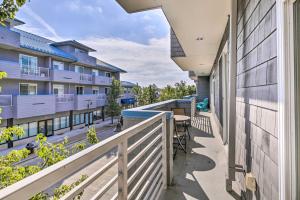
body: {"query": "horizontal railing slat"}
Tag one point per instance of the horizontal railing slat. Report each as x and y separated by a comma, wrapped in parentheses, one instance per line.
(141, 153)
(32, 185)
(108, 185)
(156, 193)
(143, 177)
(73, 193)
(141, 167)
(136, 144)
(146, 185)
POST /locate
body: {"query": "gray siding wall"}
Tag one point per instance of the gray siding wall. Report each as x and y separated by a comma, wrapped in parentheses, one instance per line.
(256, 129)
(176, 48)
(202, 87)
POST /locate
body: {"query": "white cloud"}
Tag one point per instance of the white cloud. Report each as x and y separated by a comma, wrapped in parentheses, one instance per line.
(145, 64)
(82, 7)
(48, 28)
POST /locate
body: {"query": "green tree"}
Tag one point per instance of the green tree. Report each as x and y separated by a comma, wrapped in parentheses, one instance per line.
(92, 136)
(8, 9)
(167, 93)
(113, 107)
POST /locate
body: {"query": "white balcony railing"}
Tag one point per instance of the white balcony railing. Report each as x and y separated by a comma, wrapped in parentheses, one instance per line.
(64, 98)
(39, 72)
(86, 77)
(5, 100)
(143, 174)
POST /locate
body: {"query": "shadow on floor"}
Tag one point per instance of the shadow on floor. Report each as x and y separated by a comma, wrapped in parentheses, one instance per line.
(200, 173)
(185, 184)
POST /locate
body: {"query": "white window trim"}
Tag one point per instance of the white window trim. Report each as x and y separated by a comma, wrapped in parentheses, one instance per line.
(36, 87)
(20, 60)
(79, 86)
(109, 74)
(54, 85)
(286, 103)
(55, 61)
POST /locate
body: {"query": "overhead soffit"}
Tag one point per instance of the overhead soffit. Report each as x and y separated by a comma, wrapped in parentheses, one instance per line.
(198, 24)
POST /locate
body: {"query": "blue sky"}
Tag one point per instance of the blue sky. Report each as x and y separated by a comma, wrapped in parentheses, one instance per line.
(138, 43)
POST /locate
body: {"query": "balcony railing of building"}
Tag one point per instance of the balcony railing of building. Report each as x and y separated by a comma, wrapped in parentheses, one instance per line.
(5, 100)
(86, 78)
(39, 72)
(141, 160)
(64, 98)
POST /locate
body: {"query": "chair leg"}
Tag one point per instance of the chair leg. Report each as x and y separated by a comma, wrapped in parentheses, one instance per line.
(180, 143)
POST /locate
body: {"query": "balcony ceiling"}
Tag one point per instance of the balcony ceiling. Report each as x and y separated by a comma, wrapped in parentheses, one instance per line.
(191, 20)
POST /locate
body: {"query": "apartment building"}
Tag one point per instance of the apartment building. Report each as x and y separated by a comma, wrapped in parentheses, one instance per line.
(51, 87)
(128, 97)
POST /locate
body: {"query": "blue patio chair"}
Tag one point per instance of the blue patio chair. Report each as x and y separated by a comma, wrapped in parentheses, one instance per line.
(203, 106)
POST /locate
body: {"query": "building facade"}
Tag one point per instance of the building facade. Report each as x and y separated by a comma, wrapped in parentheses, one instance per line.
(51, 87)
(128, 97)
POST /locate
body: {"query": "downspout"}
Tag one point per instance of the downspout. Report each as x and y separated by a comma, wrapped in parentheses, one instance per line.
(232, 96)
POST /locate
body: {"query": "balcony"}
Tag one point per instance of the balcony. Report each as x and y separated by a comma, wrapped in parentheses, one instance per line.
(33, 105)
(85, 79)
(101, 100)
(65, 76)
(6, 106)
(102, 80)
(12, 69)
(15, 71)
(137, 163)
(39, 74)
(88, 101)
(65, 102)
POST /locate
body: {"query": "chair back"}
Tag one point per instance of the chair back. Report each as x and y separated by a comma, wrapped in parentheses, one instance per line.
(178, 111)
(205, 101)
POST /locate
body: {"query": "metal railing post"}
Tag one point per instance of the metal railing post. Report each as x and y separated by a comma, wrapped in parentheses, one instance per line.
(164, 150)
(122, 170)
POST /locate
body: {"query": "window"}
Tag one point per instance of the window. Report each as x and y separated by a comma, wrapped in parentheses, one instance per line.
(58, 89)
(28, 64)
(56, 124)
(82, 118)
(28, 89)
(79, 69)
(95, 90)
(58, 65)
(107, 74)
(97, 115)
(33, 129)
(79, 90)
(106, 91)
(95, 72)
(25, 129)
(61, 122)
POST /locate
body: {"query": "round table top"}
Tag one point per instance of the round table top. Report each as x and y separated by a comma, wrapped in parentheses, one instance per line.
(181, 118)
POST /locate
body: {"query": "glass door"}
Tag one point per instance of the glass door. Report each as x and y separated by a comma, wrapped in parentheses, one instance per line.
(42, 127)
(86, 119)
(49, 127)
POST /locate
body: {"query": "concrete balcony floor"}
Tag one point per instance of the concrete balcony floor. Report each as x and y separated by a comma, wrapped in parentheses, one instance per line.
(200, 174)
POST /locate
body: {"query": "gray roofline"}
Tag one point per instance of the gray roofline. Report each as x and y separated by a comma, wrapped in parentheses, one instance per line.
(74, 43)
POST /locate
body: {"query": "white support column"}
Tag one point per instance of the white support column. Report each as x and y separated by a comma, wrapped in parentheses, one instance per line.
(164, 150)
(286, 100)
(122, 170)
(232, 95)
